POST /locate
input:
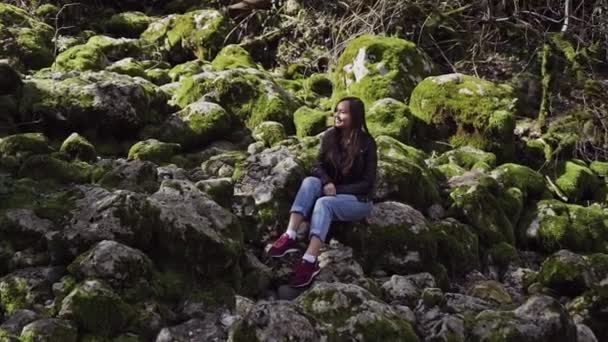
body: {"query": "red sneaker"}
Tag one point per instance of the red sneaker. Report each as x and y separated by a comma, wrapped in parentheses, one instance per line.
(304, 273)
(283, 246)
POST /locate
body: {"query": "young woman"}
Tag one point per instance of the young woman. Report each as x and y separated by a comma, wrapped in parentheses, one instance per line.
(340, 188)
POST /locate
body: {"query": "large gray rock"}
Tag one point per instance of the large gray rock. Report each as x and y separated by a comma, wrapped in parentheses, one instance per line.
(100, 214)
(117, 264)
(50, 330)
(20, 318)
(195, 229)
(109, 103)
(354, 313)
(28, 288)
(195, 330)
(134, 175)
(265, 185)
(540, 318)
(407, 289)
(274, 321)
(396, 238)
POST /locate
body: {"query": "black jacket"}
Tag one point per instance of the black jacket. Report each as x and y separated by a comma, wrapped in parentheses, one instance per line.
(361, 179)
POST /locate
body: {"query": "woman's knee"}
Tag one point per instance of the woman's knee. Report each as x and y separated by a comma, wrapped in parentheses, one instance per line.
(312, 182)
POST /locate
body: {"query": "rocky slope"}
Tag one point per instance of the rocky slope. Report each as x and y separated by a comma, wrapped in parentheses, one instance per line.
(146, 159)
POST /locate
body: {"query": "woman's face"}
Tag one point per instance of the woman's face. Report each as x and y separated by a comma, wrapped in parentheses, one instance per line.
(342, 117)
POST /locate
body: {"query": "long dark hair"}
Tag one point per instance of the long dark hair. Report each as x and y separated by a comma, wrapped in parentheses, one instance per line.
(359, 128)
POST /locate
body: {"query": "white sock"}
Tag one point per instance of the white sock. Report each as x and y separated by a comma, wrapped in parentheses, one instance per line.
(292, 233)
(309, 257)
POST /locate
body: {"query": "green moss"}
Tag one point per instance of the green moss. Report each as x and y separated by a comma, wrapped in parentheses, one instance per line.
(47, 12)
(457, 246)
(388, 330)
(503, 254)
(251, 96)
(319, 84)
(186, 69)
(96, 308)
(376, 67)
(26, 40)
(600, 168)
(567, 275)
(467, 110)
(578, 183)
(553, 225)
(531, 183)
(198, 33)
(309, 121)
(466, 157)
(231, 57)
(47, 167)
(128, 66)
(479, 206)
(81, 57)
(78, 147)
(403, 167)
(153, 150)
(128, 24)
(158, 76)
(50, 331)
(269, 132)
(14, 294)
(197, 124)
(21, 146)
(390, 117)
(116, 48)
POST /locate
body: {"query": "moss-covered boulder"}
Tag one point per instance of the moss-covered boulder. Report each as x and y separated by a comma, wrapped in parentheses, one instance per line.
(117, 48)
(154, 150)
(457, 246)
(349, 310)
(27, 42)
(375, 67)
(47, 12)
(104, 102)
(252, 96)
(390, 117)
(320, 84)
(28, 288)
(196, 125)
(81, 58)
(578, 183)
(490, 290)
(194, 34)
(78, 147)
(198, 232)
(539, 318)
(157, 76)
(551, 225)
(600, 168)
(189, 68)
(44, 166)
(128, 24)
(567, 273)
(269, 132)
(128, 66)
(396, 238)
(486, 207)
(231, 57)
(467, 158)
(134, 175)
(403, 175)
(119, 265)
(531, 183)
(50, 330)
(309, 121)
(20, 146)
(466, 111)
(96, 308)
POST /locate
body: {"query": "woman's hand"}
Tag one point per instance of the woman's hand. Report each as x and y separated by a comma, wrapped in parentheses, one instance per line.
(329, 189)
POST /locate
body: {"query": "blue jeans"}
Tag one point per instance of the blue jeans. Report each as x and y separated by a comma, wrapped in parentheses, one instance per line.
(321, 210)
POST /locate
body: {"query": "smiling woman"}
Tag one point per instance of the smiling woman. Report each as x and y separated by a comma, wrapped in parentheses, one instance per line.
(340, 187)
